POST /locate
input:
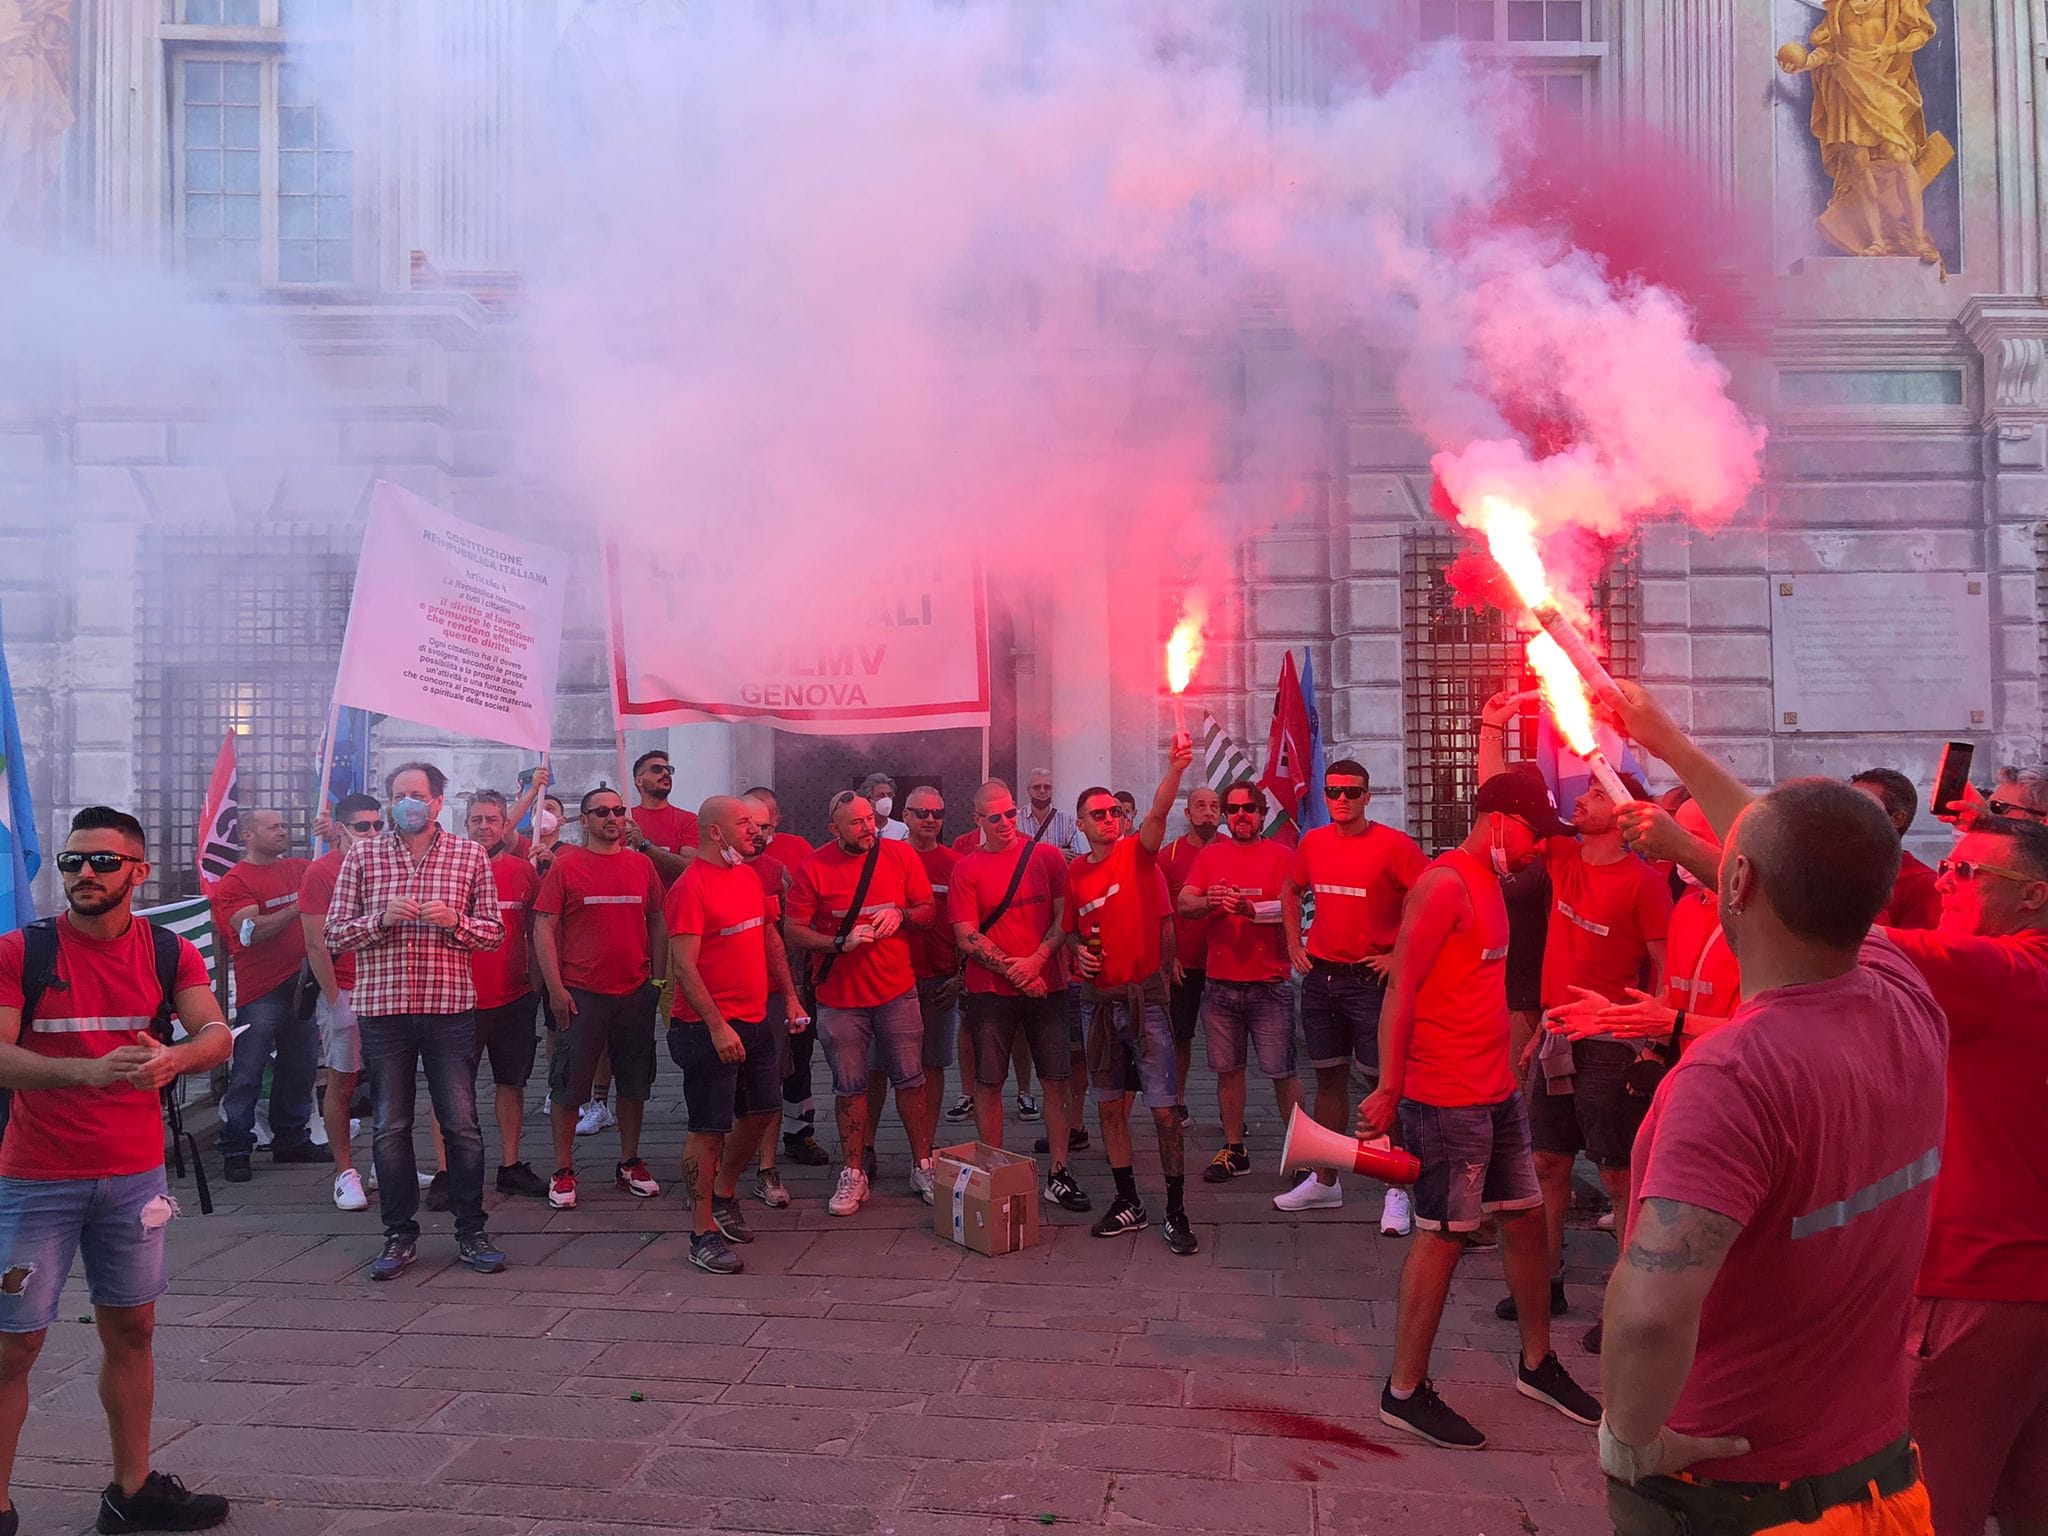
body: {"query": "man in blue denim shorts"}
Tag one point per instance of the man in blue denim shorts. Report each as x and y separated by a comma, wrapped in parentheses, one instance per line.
(1444, 1069)
(1247, 1000)
(82, 1166)
(1119, 929)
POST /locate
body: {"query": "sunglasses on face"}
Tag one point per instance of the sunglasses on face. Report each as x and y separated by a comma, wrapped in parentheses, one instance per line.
(1009, 815)
(1343, 791)
(1114, 813)
(929, 812)
(2007, 808)
(70, 862)
(1967, 870)
(376, 824)
(602, 811)
(1244, 809)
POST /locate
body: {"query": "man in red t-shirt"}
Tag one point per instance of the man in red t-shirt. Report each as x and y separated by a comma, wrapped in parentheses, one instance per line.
(601, 948)
(1236, 883)
(506, 1007)
(1118, 921)
(1915, 902)
(341, 1039)
(866, 988)
(725, 955)
(666, 833)
(1204, 816)
(1359, 872)
(935, 961)
(82, 1164)
(256, 909)
(1005, 907)
(1979, 1336)
(1444, 1072)
(799, 1110)
(1757, 1325)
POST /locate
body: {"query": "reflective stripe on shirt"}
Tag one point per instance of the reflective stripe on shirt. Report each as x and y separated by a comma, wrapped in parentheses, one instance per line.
(752, 922)
(110, 1024)
(1494, 954)
(1086, 907)
(614, 901)
(1599, 929)
(1341, 890)
(1841, 1212)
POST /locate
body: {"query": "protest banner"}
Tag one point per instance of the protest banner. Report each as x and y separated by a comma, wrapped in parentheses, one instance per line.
(694, 639)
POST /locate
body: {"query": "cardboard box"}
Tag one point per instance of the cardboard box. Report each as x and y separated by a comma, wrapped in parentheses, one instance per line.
(986, 1199)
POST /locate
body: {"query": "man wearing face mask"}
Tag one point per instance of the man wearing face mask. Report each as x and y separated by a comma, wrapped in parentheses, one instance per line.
(341, 1041)
(1444, 1071)
(1043, 820)
(600, 943)
(850, 905)
(505, 1005)
(879, 790)
(412, 905)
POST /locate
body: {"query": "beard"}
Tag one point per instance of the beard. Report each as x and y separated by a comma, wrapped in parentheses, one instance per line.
(96, 903)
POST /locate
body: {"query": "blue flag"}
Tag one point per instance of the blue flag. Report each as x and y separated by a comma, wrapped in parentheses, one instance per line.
(1566, 773)
(1315, 811)
(21, 853)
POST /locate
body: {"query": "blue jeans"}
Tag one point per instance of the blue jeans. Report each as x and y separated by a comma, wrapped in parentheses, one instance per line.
(271, 1027)
(1258, 1012)
(45, 1223)
(895, 1029)
(1475, 1159)
(394, 1044)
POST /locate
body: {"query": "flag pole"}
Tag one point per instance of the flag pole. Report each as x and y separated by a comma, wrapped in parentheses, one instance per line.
(327, 762)
(619, 736)
(987, 731)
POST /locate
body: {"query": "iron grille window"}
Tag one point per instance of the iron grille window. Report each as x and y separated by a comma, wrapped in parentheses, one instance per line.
(2041, 597)
(241, 629)
(1454, 659)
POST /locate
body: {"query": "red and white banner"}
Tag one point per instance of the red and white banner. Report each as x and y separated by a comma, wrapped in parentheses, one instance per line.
(219, 834)
(453, 625)
(1288, 744)
(696, 637)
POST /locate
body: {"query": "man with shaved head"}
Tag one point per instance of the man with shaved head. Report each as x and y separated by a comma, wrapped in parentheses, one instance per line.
(1756, 1329)
(726, 956)
(256, 909)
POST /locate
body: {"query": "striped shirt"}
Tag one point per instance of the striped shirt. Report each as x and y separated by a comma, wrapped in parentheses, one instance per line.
(414, 966)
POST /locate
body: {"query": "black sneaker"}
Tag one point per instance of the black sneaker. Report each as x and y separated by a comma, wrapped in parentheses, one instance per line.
(804, 1149)
(1551, 1383)
(1062, 1187)
(1228, 1163)
(732, 1221)
(1077, 1141)
(961, 1108)
(1122, 1216)
(397, 1257)
(1027, 1107)
(1179, 1233)
(236, 1166)
(520, 1179)
(162, 1503)
(1427, 1416)
(299, 1152)
(1504, 1309)
(480, 1253)
(436, 1197)
(709, 1253)
(1592, 1340)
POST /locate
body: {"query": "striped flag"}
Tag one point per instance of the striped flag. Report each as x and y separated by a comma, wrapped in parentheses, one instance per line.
(1222, 762)
(219, 819)
(192, 919)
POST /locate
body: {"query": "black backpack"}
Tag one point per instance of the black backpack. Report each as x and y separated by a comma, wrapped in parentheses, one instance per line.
(39, 973)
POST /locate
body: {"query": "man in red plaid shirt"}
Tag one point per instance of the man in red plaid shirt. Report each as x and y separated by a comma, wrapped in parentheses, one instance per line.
(412, 904)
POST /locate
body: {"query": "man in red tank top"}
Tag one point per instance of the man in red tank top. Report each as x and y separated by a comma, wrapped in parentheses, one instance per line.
(1444, 1070)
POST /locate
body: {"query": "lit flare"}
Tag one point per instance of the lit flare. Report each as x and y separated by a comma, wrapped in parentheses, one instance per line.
(1183, 655)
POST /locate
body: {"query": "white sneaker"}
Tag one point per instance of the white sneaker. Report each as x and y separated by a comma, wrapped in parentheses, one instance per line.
(1311, 1194)
(596, 1116)
(262, 1130)
(547, 1103)
(370, 1178)
(921, 1181)
(425, 1176)
(316, 1130)
(348, 1191)
(1397, 1216)
(355, 1128)
(851, 1194)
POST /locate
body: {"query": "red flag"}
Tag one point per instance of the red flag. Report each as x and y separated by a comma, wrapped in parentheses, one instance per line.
(1287, 748)
(218, 842)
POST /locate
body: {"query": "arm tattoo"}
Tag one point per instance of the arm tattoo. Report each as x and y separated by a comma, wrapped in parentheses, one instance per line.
(1671, 1235)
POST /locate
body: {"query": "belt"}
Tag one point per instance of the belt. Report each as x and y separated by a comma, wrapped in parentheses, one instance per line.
(1345, 968)
(1670, 1506)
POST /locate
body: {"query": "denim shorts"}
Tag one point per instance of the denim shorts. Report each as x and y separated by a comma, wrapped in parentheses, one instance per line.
(1598, 1116)
(341, 1038)
(1122, 1050)
(894, 1028)
(941, 1025)
(995, 1019)
(1474, 1160)
(1340, 1018)
(44, 1223)
(1259, 1011)
(716, 1093)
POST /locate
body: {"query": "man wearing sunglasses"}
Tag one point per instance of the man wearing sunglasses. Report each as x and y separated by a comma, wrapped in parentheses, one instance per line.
(356, 817)
(1359, 873)
(1445, 1073)
(1979, 1332)
(1204, 815)
(1915, 903)
(602, 947)
(256, 908)
(1247, 1004)
(665, 833)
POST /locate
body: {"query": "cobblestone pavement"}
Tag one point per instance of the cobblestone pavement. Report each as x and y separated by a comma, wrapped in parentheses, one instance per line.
(863, 1376)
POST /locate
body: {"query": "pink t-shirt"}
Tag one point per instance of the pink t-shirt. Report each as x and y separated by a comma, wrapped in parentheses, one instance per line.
(1814, 1118)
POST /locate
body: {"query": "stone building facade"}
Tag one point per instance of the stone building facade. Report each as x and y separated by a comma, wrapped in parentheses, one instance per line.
(174, 562)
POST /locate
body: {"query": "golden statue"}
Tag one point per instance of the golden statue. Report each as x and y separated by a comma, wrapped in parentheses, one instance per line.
(35, 113)
(1871, 125)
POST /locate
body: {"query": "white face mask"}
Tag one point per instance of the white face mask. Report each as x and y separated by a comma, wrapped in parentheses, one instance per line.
(547, 822)
(731, 855)
(1691, 879)
(1500, 850)
(883, 806)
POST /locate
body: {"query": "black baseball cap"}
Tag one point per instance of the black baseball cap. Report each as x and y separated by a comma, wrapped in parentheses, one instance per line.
(1521, 792)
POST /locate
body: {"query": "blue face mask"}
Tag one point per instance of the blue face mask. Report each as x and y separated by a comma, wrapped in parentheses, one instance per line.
(410, 814)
